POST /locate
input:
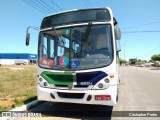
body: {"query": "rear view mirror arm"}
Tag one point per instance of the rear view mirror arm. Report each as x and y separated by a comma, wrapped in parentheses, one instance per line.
(28, 34)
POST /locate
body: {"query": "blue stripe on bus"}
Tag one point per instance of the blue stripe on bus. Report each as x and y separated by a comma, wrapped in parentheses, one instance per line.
(90, 77)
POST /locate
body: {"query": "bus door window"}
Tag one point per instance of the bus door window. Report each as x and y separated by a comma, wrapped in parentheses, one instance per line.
(63, 51)
(47, 56)
(52, 49)
(63, 46)
(45, 47)
(48, 47)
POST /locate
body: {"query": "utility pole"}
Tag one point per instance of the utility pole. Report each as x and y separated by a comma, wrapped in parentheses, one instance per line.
(124, 52)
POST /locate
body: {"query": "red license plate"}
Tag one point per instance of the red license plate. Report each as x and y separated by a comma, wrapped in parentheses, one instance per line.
(102, 97)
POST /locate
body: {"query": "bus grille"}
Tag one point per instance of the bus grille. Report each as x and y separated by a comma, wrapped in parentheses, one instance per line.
(71, 95)
(75, 86)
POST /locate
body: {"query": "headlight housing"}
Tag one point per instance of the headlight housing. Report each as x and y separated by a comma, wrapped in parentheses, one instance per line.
(103, 84)
(43, 83)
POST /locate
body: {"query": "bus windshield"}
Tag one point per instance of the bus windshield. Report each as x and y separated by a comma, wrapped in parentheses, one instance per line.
(76, 48)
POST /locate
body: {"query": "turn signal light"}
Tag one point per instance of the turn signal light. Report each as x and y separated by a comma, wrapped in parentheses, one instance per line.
(111, 76)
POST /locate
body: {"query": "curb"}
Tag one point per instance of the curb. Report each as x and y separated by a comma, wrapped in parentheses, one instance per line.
(23, 108)
(27, 106)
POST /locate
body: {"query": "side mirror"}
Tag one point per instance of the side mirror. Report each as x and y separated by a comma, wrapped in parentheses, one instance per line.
(118, 45)
(117, 33)
(27, 39)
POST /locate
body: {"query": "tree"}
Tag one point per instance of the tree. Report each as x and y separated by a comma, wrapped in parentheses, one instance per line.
(151, 61)
(156, 57)
(156, 60)
(144, 61)
(122, 61)
(139, 60)
(132, 61)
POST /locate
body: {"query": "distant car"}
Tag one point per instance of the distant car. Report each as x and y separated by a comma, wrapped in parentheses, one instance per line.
(149, 64)
(140, 64)
(21, 62)
(127, 64)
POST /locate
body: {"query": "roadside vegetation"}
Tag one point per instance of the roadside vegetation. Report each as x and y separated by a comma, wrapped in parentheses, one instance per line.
(155, 61)
(17, 85)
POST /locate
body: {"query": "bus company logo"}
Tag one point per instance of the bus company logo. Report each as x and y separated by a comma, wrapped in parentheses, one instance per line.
(70, 86)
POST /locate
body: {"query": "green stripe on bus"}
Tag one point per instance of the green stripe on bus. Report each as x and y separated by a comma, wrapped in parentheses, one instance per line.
(58, 78)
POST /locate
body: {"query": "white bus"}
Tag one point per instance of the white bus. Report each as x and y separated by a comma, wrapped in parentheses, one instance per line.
(78, 57)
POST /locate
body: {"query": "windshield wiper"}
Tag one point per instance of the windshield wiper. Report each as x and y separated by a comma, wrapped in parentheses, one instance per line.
(55, 34)
(60, 42)
(86, 34)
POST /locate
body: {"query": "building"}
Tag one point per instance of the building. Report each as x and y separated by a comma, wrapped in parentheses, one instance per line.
(132, 61)
(17, 58)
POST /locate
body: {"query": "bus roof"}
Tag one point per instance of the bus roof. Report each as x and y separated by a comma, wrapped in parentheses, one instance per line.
(77, 16)
(66, 11)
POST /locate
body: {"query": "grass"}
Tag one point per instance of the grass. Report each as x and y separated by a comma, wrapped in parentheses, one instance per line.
(17, 85)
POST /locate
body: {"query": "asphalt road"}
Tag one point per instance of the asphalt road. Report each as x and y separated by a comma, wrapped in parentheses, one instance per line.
(139, 91)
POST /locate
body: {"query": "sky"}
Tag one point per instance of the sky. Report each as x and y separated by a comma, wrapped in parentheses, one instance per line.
(139, 21)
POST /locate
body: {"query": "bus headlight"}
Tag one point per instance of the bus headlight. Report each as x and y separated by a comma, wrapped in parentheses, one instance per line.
(43, 83)
(100, 85)
(40, 79)
(106, 80)
(103, 84)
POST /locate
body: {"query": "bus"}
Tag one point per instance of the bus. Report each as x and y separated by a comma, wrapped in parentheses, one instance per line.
(78, 59)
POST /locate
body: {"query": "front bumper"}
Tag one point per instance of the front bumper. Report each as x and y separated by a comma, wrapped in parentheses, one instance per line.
(53, 95)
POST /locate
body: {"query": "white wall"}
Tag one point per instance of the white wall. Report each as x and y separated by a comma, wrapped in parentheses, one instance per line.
(9, 61)
(6, 61)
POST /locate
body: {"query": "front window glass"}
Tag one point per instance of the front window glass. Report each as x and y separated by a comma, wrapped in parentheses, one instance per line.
(75, 48)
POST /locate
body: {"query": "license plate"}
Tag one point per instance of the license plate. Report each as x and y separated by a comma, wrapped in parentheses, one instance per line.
(102, 97)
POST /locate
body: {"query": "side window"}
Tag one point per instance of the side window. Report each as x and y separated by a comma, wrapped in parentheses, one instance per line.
(76, 47)
(64, 42)
(45, 47)
(63, 46)
(52, 48)
(60, 51)
(48, 47)
(46, 56)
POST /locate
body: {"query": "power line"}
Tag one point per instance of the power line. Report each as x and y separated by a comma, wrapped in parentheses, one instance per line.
(37, 8)
(155, 31)
(42, 7)
(46, 6)
(56, 5)
(142, 25)
(150, 51)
